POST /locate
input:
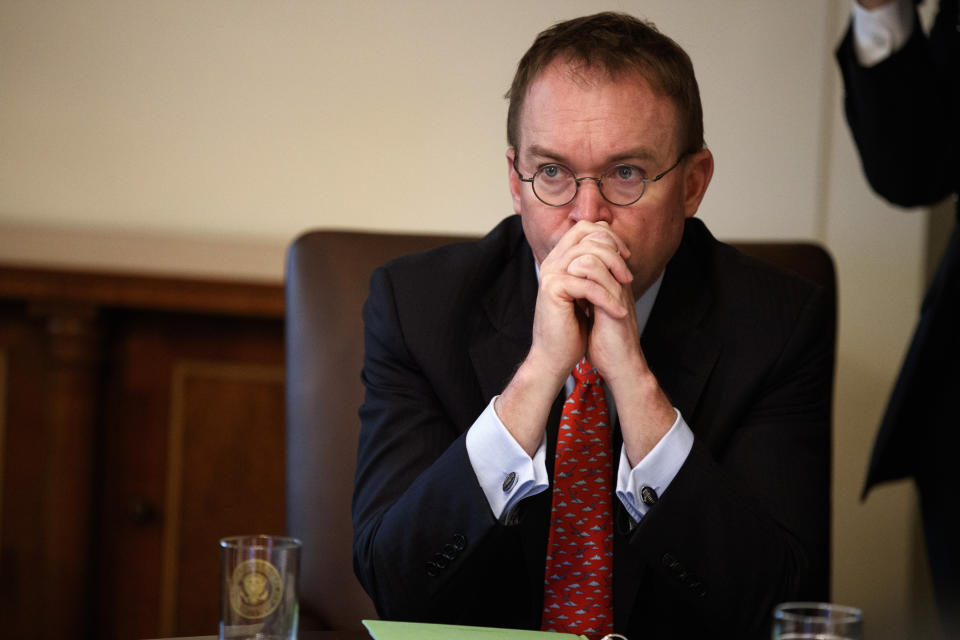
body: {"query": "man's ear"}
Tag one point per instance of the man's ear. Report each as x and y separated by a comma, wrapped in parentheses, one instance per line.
(516, 186)
(697, 175)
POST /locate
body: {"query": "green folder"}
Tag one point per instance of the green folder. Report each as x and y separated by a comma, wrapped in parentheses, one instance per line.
(386, 630)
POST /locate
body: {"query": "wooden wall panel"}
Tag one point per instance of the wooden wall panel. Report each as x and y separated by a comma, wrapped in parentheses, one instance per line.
(70, 400)
(131, 482)
(3, 427)
(195, 440)
(224, 450)
(25, 471)
(142, 419)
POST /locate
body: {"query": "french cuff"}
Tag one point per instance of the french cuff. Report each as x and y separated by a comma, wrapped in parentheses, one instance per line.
(881, 32)
(640, 488)
(505, 472)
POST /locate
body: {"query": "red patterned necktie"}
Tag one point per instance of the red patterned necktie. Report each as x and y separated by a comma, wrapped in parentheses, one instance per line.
(578, 584)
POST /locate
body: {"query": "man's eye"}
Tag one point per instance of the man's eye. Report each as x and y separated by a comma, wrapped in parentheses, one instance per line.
(626, 173)
(550, 171)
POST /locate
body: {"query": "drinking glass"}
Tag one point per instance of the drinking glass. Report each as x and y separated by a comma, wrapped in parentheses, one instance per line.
(258, 587)
(816, 621)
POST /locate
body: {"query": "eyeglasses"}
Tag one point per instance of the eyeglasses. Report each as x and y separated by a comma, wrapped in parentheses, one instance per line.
(555, 185)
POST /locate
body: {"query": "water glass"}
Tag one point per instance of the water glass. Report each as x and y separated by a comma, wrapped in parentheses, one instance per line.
(258, 587)
(816, 621)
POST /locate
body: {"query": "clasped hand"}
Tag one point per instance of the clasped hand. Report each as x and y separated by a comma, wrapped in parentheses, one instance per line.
(585, 305)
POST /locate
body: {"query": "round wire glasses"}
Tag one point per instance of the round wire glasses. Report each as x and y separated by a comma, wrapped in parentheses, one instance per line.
(623, 184)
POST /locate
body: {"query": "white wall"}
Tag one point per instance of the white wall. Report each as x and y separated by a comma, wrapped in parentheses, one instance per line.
(200, 137)
(261, 119)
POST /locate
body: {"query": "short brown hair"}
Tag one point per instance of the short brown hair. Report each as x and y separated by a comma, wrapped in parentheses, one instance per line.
(615, 43)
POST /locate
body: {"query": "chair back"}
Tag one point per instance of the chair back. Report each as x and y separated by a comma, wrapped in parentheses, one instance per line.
(327, 280)
(327, 277)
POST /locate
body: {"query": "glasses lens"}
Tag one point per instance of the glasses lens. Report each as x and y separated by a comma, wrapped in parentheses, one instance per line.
(622, 184)
(554, 184)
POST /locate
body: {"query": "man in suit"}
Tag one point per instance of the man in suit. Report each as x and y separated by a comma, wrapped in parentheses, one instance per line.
(717, 373)
(902, 102)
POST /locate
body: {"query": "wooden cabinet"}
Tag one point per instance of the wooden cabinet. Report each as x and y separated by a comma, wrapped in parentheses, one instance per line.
(141, 419)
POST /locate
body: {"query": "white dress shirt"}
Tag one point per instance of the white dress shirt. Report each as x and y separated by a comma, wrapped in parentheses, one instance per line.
(880, 32)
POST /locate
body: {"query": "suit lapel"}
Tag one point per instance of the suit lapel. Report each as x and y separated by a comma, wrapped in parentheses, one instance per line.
(501, 337)
(682, 353)
(679, 348)
(498, 343)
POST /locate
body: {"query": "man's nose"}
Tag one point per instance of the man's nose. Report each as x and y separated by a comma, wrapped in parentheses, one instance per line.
(590, 204)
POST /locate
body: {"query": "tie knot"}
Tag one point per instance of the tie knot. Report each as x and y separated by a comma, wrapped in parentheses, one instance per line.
(584, 373)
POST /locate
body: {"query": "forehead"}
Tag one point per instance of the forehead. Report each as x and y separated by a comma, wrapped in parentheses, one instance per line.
(570, 109)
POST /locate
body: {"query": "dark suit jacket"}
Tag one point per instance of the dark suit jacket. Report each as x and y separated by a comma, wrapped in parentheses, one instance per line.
(903, 114)
(743, 350)
(905, 117)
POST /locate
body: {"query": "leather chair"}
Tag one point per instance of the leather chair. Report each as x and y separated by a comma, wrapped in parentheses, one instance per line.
(326, 283)
(327, 278)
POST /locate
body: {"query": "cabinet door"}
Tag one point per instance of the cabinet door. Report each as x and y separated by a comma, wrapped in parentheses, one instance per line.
(192, 451)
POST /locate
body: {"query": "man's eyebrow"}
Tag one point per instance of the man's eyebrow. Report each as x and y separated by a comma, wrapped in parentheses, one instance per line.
(542, 152)
(640, 154)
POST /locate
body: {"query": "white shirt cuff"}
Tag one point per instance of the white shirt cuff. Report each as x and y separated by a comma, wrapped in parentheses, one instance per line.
(505, 472)
(881, 32)
(657, 469)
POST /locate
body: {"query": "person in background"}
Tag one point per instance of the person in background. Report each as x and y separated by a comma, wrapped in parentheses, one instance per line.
(598, 417)
(903, 106)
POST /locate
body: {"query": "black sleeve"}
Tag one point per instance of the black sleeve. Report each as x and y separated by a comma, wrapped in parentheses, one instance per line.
(426, 544)
(903, 113)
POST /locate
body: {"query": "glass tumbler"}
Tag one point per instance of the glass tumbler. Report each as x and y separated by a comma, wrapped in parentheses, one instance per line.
(816, 621)
(258, 587)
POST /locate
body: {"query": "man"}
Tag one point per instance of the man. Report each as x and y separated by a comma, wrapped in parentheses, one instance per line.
(902, 100)
(716, 371)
